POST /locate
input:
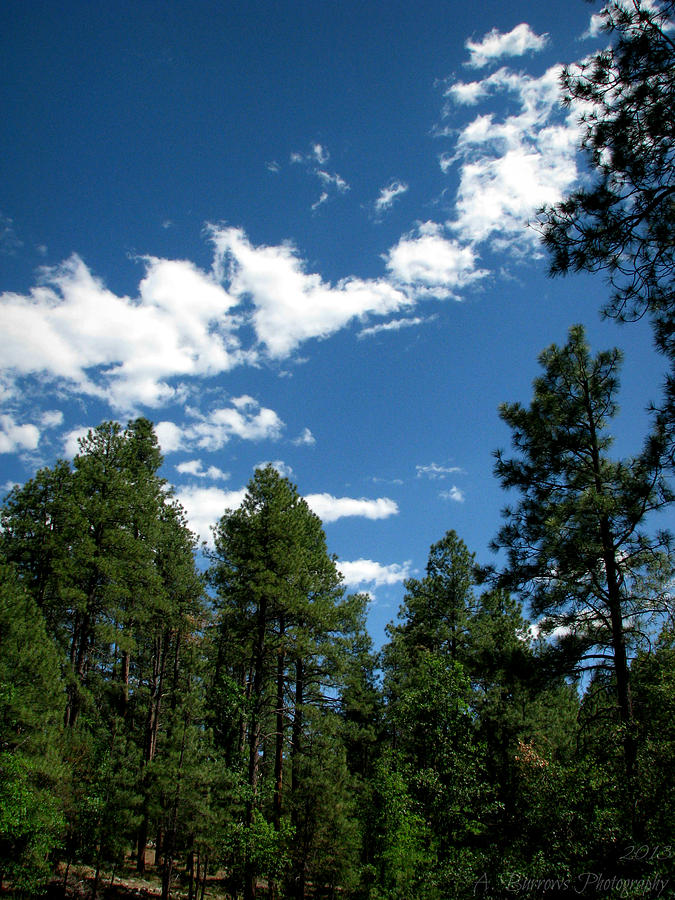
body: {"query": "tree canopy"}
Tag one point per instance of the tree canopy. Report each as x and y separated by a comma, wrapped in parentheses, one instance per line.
(624, 222)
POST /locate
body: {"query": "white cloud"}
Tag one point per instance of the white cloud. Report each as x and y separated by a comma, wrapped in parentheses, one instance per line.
(433, 470)
(366, 571)
(454, 494)
(333, 179)
(304, 439)
(195, 467)
(510, 168)
(321, 155)
(51, 418)
(330, 509)
(495, 44)
(15, 437)
(71, 440)
(594, 26)
(9, 242)
(393, 325)
(388, 194)
(279, 465)
(322, 199)
(430, 263)
(70, 327)
(170, 436)
(244, 419)
(291, 305)
(314, 162)
(205, 506)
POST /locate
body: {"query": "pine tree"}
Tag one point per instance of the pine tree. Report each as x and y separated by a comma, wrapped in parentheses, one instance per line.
(576, 543)
(277, 593)
(32, 769)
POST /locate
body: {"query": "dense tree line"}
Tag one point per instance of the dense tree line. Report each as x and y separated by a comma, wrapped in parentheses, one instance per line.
(239, 722)
(515, 734)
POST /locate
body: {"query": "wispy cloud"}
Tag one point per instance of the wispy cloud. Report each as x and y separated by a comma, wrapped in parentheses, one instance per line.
(433, 470)
(454, 494)
(315, 163)
(388, 194)
(9, 242)
(495, 45)
(393, 325)
(51, 418)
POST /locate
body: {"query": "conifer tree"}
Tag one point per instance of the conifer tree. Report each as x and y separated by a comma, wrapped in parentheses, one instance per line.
(576, 542)
(277, 592)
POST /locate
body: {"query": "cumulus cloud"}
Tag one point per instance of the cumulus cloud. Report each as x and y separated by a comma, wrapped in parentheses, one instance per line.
(278, 465)
(51, 418)
(169, 436)
(366, 571)
(71, 440)
(204, 506)
(595, 26)
(244, 419)
(195, 468)
(429, 262)
(304, 439)
(509, 168)
(291, 305)
(15, 437)
(71, 328)
(495, 44)
(454, 494)
(330, 509)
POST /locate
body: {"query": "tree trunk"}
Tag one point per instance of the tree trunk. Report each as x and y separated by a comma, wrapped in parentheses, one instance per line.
(150, 741)
(296, 740)
(254, 737)
(279, 736)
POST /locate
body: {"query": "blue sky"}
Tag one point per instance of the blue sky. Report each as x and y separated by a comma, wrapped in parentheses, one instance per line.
(294, 232)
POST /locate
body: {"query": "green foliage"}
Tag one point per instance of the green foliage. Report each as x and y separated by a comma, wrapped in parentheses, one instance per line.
(405, 856)
(624, 222)
(576, 541)
(31, 821)
(31, 769)
(263, 740)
